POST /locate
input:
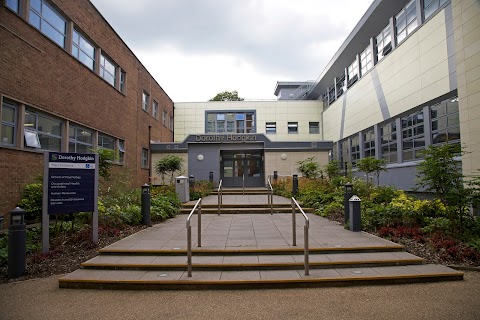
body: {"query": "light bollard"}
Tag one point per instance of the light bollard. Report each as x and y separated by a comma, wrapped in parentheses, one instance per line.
(146, 220)
(17, 243)
(355, 214)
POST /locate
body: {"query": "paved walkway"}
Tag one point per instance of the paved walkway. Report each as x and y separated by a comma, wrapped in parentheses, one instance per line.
(247, 231)
(243, 199)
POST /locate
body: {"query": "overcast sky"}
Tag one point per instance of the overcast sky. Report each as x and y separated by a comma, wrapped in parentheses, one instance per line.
(197, 48)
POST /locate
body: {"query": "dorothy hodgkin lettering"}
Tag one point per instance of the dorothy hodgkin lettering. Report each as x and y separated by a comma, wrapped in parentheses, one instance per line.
(225, 138)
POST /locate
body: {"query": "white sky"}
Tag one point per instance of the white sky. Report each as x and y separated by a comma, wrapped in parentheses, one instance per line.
(198, 48)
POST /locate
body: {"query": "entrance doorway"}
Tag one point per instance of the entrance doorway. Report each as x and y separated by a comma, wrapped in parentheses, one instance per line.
(239, 166)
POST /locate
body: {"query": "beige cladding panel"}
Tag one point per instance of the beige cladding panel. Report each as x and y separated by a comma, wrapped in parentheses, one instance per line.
(414, 73)
(285, 163)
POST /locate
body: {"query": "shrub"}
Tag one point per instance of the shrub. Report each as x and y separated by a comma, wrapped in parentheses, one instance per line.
(201, 189)
(31, 202)
(309, 168)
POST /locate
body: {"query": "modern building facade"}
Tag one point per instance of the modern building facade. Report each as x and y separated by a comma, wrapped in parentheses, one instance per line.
(69, 83)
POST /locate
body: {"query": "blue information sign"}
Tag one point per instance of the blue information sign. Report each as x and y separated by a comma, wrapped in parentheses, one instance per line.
(71, 183)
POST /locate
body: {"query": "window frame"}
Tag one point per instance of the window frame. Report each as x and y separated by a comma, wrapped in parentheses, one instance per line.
(445, 117)
(270, 127)
(292, 127)
(241, 121)
(145, 101)
(103, 69)
(9, 4)
(388, 141)
(79, 49)
(75, 140)
(33, 11)
(155, 109)
(41, 133)
(354, 149)
(314, 127)
(366, 61)
(406, 26)
(383, 47)
(144, 157)
(412, 135)
(5, 123)
(368, 143)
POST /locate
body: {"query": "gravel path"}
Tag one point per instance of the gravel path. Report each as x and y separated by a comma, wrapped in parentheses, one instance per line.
(42, 299)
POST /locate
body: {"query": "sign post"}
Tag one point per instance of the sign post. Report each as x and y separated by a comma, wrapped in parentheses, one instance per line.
(70, 185)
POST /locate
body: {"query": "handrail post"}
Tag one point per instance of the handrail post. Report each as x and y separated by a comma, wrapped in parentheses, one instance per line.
(243, 184)
(200, 224)
(294, 227)
(220, 196)
(189, 249)
(218, 201)
(305, 245)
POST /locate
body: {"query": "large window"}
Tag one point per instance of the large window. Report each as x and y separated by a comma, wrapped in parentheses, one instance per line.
(352, 73)
(106, 142)
(83, 50)
(413, 136)
(314, 127)
(145, 101)
(445, 122)
(9, 124)
(171, 123)
(344, 160)
(45, 18)
(293, 127)
(406, 21)
(388, 141)
(369, 143)
(232, 122)
(431, 6)
(13, 4)
(164, 118)
(355, 148)
(48, 131)
(107, 70)
(366, 62)
(384, 43)
(271, 128)
(80, 140)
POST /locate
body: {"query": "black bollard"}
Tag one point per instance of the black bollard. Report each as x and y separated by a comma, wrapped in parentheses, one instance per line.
(146, 220)
(17, 243)
(355, 214)
(295, 185)
(210, 177)
(275, 175)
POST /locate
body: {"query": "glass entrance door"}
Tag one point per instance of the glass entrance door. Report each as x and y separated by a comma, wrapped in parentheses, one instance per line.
(239, 166)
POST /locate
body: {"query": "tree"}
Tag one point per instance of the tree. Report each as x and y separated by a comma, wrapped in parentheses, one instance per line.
(370, 165)
(308, 168)
(227, 96)
(169, 163)
(332, 169)
(106, 157)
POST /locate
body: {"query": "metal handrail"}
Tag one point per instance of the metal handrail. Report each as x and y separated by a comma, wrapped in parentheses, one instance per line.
(189, 234)
(220, 196)
(270, 196)
(305, 233)
(243, 184)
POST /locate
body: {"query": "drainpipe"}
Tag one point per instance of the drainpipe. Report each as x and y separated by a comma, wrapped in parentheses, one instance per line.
(149, 154)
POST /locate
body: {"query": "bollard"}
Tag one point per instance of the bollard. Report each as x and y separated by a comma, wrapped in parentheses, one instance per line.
(275, 175)
(355, 214)
(146, 205)
(347, 195)
(210, 177)
(295, 185)
(17, 243)
(191, 181)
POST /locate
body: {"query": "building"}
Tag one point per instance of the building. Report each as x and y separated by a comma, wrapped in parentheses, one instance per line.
(69, 83)
(407, 77)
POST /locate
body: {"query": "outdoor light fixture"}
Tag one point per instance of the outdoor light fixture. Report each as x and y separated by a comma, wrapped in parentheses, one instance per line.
(348, 187)
(17, 216)
(284, 156)
(200, 157)
(145, 189)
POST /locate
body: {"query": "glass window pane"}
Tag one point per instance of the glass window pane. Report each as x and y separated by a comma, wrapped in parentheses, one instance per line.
(86, 60)
(36, 4)
(53, 18)
(12, 4)
(453, 120)
(53, 34)
(51, 126)
(84, 136)
(452, 107)
(34, 19)
(412, 27)
(240, 116)
(230, 117)
(31, 139)
(8, 134)
(50, 143)
(221, 116)
(8, 114)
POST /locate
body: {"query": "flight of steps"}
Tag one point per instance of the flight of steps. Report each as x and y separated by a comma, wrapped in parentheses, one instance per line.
(242, 208)
(253, 268)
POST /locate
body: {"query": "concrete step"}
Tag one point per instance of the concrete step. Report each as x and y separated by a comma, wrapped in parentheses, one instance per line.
(255, 279)
(237, 210)
(251, 262)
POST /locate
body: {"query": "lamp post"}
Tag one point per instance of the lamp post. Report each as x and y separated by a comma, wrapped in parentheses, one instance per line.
(347, 195)
(146, 205)
(17, 243)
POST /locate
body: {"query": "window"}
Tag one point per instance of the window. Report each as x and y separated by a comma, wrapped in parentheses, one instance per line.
(271, 128)
(31, 139)
(314, 127)
(445, 122)
(355, 148)
(144, 158)
(384, 43)
(145, 98)
(45, 18)
(293, 127)
(413, 136)
(352, 73)
(48, 131)
(83, 50)
(155, 109)
(406, 21)
(366, 60)
(431, 6)
(9, 124)
(122, 81)
(369, 143)
(14, 5)
(232, 122)
(107, 70)
(121, 151)
(106, 142)
(340, 84)
(344, 154)
(388, 141)
(171, 123)
(80, 140)
(164, 118)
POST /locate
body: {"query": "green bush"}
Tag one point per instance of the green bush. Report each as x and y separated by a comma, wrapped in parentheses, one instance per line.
(164, 206)
(31, 202)
(201, 189)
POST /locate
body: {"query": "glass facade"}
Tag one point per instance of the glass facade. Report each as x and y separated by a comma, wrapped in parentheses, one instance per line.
(369, 143)
(445, 122)
(406, 21)
(231, 122)
(388, 141)
(413, 136)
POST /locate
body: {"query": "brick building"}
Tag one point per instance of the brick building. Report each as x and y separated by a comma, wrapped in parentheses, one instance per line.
(69, 83)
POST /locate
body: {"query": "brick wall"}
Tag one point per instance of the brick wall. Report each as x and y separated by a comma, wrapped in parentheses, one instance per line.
(38, 73)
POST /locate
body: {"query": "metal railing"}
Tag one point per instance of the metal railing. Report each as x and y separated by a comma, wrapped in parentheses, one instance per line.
(305, 233)
(198, 206)
(220, 196)
(270, 196)
(243, 184)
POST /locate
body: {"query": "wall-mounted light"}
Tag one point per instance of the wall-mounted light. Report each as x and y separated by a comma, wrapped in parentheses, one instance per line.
(284, 156)
(200, 157)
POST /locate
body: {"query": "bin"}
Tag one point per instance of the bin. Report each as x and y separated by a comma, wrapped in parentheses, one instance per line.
(182, 188)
